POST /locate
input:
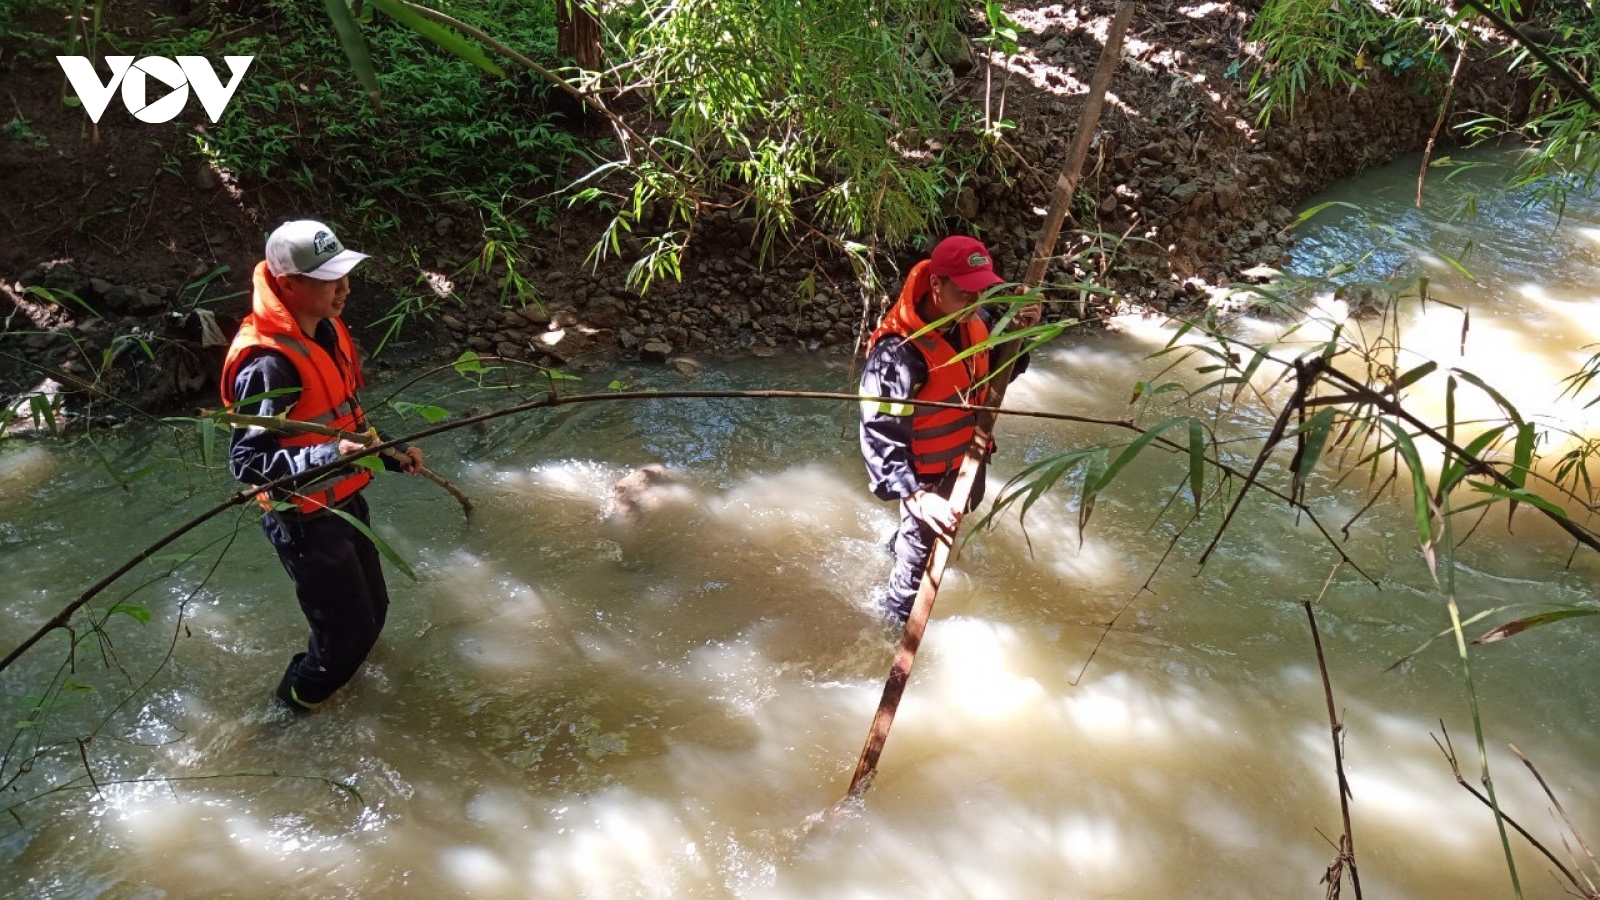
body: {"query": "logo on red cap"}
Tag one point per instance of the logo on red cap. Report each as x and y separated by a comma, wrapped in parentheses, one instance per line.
(965, 261)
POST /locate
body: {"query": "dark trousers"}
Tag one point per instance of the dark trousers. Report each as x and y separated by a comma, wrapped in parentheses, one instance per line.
(339, 582)
(913, 544)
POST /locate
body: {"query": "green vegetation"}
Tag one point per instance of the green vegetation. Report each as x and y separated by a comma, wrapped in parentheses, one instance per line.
(1306, 44)
(817, 119)
(445, 136)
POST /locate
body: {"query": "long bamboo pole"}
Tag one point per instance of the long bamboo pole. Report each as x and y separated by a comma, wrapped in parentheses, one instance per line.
(1066, 185)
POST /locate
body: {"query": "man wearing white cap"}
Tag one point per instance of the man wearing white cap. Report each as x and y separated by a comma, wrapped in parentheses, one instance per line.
(293, 357)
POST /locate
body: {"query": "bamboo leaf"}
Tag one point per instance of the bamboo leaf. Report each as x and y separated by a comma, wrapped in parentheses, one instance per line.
(1030, 485)
(1456, 470)
(1091, 476)
(1316, 438)
(1230, 379)
(380, 543)
(1499, 399)
(208, 441)
(1197, 461)
(1456, 264)
(355, 48)
(1519, 495)
(1414, 376)
(1450, 631)
(1306, 216)
(1522, 456)
(1250, 370)
(1419, 483)
(1533, 621)
(1103, 479)
(446, 38)
(257, 398)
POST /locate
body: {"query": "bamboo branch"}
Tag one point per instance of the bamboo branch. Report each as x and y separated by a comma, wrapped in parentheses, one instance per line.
(290, 426)
(1438, 124)
(1449, 752)
(1347, 841)
(1559, 808)
(549, 401)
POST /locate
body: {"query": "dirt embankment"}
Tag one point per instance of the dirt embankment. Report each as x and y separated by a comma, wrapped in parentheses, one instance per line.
(1180, 173)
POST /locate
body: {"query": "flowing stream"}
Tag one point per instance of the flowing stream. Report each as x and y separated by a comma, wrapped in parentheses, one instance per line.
(581, 696)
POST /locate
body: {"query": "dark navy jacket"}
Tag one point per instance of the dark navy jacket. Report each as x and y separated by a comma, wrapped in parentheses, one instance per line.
(896, 369)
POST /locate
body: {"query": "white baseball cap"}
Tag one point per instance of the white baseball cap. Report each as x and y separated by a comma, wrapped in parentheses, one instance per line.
(308, 248)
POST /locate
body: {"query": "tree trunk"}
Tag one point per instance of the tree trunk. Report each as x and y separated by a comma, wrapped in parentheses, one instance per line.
(578, 35)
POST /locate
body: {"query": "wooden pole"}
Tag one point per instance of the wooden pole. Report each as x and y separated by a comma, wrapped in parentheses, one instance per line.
(1066, 185)
(291, 426)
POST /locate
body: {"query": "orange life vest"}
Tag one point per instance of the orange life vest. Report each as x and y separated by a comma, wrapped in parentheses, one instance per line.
(939, 436)
(327, 388)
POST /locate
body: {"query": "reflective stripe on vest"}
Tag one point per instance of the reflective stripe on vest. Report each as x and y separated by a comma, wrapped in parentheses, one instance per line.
(939, 436)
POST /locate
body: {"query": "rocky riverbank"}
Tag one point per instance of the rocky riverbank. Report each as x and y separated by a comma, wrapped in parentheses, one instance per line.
(1184, 191)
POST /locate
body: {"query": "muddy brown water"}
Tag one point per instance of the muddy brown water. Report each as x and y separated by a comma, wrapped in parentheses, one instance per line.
(568, 702)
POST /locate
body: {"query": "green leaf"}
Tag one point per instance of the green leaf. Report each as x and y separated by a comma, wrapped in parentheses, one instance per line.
(1419, 482)
(1457, 469)
(469, 362)
(429, 413)
(1519, 495)
(369, 462)
(447, 38)
(380, 543)
(1104, 478)
(139, 614)
(1499, 399)
(1414, 376)
(1316, 437)
(355, 48)
(1534, 621)
(1197, 460)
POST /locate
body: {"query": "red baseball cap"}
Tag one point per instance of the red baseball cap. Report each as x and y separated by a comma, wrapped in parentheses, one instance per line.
(965, 261)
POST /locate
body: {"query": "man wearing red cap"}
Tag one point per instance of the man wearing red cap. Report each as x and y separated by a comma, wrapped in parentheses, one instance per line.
(914, 453)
